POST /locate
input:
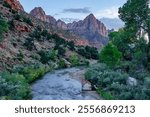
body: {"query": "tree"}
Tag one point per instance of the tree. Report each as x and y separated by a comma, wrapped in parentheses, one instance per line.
(136, 15)
(110, 55)
(122, 39)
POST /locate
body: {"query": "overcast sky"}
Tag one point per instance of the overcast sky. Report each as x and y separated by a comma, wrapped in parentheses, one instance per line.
(77, 9)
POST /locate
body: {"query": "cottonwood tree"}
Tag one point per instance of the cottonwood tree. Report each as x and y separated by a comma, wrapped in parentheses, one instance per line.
(136, 15)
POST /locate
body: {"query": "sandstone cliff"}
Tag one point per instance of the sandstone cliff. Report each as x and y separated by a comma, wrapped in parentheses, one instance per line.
(15, 4)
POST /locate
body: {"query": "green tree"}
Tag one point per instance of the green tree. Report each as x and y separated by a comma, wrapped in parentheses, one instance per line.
(110, 55)
(122, 39)
(136, 15)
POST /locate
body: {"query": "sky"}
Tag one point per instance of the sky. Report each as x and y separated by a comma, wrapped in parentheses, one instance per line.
(76, 9)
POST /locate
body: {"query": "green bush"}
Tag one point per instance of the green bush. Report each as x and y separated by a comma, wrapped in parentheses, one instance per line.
(71, 45)
(13, 86)
(46, 56)
(105, 94)
(85, 62)
(29, 43)
(27, 20)
(74, 59)
(3, 27)
(32, 73)
(20, 56)
(113, 84)
(88, 52)
(110, 55)
(62, 63)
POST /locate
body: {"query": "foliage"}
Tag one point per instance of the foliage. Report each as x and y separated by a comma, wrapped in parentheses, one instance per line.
(13, 86)
(29, 43)
(47, 55)
(113, 84)
(110, 55)
(74, 59)
(28, 21)
(135, 14)
(62, 63)
(32, 72)
(105, 94)
(3, 27)
(71, 45)
(88, 52)
(20, 56)
(61, 50)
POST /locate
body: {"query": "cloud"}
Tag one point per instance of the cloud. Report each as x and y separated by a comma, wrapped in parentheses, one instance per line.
(108, 13)
(84, 10)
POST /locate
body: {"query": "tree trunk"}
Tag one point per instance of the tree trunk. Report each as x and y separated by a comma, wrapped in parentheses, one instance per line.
(148, 49)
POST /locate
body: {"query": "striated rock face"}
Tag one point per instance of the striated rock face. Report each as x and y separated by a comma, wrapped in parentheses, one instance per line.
(91, 29)
(15, 4)
(39, 13)
(61, 24)
(20, 26)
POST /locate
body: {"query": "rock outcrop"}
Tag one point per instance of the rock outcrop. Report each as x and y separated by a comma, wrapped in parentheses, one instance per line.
(15, 4)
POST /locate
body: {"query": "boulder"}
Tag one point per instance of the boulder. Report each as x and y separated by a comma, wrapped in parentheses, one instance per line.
(87, 87)
(131, 81)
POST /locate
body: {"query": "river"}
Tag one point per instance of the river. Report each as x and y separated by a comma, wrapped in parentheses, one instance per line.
(65, 84)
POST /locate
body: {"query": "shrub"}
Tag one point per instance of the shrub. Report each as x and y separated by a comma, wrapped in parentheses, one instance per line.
(28, 21)
(61, 51)
(32, 73)
(110, 55)
(44, 33)
(88, 52)
(48, 55)
(20, 56)
(62, 63)
(71, 45)
(74, 59)
(29, 43)
(85, 62)
(3, 27)
(113, 84)
(13, 86)
(105, 94)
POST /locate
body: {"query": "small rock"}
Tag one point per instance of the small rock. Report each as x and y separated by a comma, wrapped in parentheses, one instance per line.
(132, 81)
(87, 87)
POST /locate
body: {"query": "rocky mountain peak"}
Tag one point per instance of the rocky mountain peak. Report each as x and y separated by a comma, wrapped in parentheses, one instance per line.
(91, 16)
(91, 29)
(38, 10)
(39, 13)
(15, 4)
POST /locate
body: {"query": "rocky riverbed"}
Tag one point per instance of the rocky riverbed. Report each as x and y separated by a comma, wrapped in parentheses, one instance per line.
(65, 84)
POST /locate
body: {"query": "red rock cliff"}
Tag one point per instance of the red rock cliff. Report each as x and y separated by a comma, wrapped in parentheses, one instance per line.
(15, 4)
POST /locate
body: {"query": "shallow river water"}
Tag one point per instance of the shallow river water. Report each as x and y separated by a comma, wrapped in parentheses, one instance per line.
(65, 84)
